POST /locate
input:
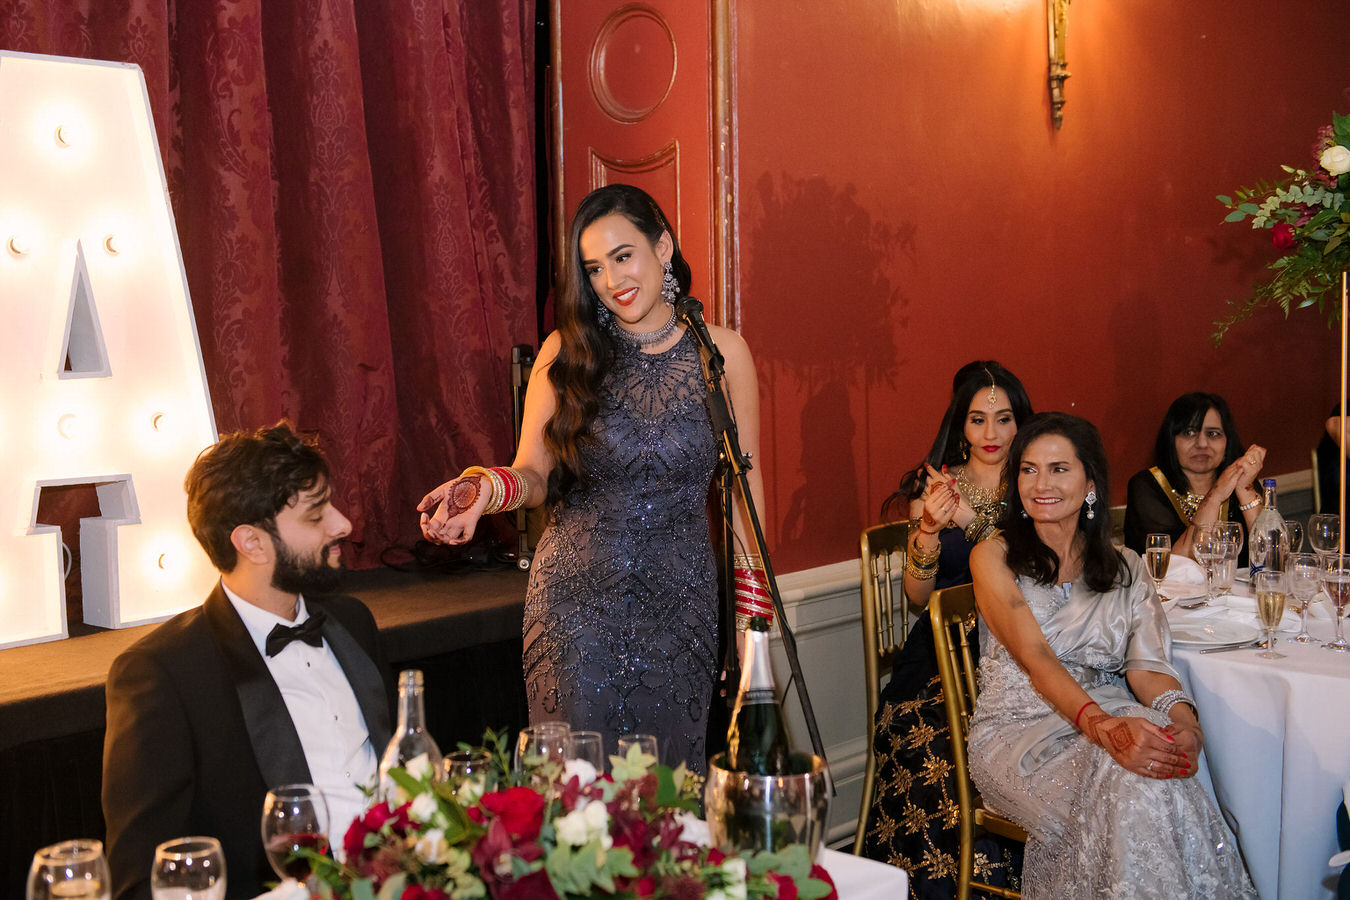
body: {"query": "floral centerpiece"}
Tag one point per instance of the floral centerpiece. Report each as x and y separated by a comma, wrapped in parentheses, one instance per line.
(552, 834)
(1307, 217)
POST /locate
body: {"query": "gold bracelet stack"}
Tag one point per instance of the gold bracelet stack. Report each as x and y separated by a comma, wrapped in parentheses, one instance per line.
(922, 565)
(980, 528)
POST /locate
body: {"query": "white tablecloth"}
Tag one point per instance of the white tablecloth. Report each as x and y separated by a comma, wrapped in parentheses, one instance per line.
(1277, 744)
(857, 878)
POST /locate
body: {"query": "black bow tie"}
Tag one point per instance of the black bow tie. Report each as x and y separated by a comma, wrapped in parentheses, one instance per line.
(310, 631)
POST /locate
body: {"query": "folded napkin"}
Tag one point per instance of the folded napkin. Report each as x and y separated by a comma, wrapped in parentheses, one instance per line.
(1243, 610)
(1316, 609)
(1184, 570)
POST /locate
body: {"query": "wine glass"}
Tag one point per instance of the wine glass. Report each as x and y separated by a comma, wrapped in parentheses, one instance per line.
(1206, 548)
(588, 746)
(1336, 582)
(644, 742)
(1295, 532)
(1324, 531)
(188, 868)
(1230, 531)
(1305, 579)
(294, 817)
(1157, 557)
(69, 869)
(1271, 590)
(541, 744)
(468, 772)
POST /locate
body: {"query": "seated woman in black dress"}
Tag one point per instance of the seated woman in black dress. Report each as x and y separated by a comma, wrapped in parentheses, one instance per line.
(1201, 474)
(956, 494)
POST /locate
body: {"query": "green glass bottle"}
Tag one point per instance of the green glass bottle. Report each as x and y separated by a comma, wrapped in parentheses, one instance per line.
(757, 741)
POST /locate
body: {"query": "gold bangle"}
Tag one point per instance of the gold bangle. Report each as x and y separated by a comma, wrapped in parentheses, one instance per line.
(494, 503)
(919, 571)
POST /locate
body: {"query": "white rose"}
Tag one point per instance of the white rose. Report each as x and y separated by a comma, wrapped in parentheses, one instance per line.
(572, 828)
(735, 870)
(469, 792)
(1336, 160)
(419, 767)
(584, 771)
(597, 823)
(423, 808)
(433, 847)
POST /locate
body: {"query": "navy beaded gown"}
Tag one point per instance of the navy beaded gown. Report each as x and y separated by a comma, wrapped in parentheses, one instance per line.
(621, 610)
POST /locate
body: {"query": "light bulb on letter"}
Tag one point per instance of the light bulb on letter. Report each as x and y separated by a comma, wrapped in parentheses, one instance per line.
(69, 426)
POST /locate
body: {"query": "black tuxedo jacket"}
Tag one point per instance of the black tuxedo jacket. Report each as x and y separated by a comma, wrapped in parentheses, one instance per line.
(198, 733)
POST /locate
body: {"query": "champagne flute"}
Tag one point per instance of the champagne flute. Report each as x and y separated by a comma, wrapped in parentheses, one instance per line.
(1336, 582)
(1305, 579)
(188, 868)
(1157, 557)
(1324, 531)
(74, 869)
(295, 817)
(1271, 591)
(1206, 549)
(1295, 532)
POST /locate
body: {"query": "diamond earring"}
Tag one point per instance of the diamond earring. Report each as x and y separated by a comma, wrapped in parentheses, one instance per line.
(670, 288)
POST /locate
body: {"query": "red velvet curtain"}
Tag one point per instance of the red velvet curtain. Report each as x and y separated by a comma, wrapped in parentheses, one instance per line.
(353, 182)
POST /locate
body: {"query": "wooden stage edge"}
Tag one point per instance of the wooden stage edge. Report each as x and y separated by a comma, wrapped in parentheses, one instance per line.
(56, 688)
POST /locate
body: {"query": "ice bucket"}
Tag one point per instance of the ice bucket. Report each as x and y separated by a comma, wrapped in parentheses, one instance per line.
(768, 812)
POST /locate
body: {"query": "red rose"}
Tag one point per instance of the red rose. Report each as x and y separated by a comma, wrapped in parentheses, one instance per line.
(520, 809)
(787, 888)
(819, 873)
(417, 892)
(1282, 236)
(646, 886)
(355, 839)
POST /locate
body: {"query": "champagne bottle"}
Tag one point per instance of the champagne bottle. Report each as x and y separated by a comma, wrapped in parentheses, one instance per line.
(411, 738)
(757, 739)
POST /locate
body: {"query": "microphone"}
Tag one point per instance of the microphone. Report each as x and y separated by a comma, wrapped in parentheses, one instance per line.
(690, 309)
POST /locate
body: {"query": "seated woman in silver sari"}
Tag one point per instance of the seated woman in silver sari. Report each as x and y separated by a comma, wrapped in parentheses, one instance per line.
(1081, 732)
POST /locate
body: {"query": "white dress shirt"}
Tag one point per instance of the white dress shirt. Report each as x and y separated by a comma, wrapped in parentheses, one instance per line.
(323, 708)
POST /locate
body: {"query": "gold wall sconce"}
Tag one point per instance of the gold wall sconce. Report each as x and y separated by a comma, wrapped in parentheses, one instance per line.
(1057, 20)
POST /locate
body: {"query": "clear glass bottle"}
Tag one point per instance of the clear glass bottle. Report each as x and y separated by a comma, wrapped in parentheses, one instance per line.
(1269, 540)
(411, 738)
(757, 740)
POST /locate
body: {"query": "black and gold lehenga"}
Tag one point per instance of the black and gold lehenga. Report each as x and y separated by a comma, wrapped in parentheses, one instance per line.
(913, 822)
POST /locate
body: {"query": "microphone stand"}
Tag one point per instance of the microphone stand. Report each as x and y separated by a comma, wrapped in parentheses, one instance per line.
(736, 466)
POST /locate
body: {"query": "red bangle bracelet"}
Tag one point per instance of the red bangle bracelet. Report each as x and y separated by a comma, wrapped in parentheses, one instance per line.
(1080, 711)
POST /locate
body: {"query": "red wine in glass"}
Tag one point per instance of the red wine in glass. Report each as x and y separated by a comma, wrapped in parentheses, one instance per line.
(281, 846)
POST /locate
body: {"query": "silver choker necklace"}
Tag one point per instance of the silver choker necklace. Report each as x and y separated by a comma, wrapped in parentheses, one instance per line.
(647, 338)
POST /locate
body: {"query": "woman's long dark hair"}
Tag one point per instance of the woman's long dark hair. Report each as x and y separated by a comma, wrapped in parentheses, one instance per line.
(949, 447)
(586, 348)
(1103, 566)
(1189, 411)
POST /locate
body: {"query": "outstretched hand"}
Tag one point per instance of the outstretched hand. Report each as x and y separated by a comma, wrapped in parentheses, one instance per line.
(459, 504)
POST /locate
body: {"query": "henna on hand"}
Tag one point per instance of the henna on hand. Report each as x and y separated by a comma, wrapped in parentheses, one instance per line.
(1093, 717)
(461, 496)
(1120, 736)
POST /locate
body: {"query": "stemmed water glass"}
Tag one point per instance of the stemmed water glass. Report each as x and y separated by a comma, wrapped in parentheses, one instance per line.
(1232, 532)
(1324, 531)
(1271, 591)
(646, 743)
(1295, 532)
(469, 773)
(295, 817)
(69, 869)
(1206, 549)
(588, 746)
(1305, 579)
(188, 868)
(1336, 582)
(1157, 557)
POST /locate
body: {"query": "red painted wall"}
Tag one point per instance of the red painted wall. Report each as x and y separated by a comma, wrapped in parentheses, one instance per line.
(905, 206)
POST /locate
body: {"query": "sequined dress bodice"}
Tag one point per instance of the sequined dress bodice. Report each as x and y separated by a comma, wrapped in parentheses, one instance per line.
(621, 611)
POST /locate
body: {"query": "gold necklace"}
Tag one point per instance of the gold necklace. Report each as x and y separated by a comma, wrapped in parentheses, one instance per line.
(984, 501)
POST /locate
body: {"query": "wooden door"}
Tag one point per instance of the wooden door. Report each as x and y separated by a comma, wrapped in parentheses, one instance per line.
(641, 94)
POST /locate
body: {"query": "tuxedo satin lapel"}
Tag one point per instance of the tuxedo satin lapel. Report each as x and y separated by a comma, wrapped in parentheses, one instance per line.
(276, 746)
(364, 678)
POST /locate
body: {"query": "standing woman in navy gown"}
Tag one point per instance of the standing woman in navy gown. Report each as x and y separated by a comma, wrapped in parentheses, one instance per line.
(621, 610)
(956, 494)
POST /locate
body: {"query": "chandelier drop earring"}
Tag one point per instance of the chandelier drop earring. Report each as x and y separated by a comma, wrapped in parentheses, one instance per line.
(1024, 514)
(965, 450)
(1091, 500)
(670, 288)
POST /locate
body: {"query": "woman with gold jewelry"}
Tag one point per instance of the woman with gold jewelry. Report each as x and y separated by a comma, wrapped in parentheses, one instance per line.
(1201, 474)
(621, 609)
(956, 495)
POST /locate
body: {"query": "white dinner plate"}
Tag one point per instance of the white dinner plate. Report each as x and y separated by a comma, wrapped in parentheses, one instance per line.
(1212, 633)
